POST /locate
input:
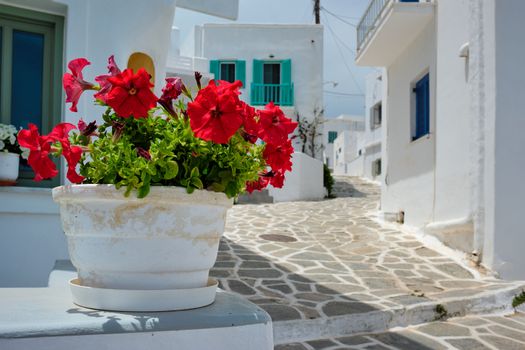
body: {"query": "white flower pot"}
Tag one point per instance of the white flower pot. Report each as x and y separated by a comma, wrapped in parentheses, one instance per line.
(164, 243)
(9, 167)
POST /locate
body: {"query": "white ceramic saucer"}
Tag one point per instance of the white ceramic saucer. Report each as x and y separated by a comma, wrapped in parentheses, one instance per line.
(142, 300)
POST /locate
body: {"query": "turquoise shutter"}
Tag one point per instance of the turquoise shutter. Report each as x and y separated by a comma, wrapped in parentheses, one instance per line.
(257, 80)
(257, 71)
(286, 72)
(214, 68)
(240, 72)
(287, 85)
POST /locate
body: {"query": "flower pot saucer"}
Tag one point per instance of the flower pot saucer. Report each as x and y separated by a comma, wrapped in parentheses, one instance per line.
(142, 300)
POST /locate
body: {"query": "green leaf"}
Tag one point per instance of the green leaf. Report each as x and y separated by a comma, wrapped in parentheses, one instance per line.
(143, 190)
(171, 170)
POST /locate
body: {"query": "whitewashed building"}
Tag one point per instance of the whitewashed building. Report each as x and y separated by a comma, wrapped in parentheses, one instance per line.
(453, 146)
(357, 152)
(280, 63)
(45, 35)
(332, 128)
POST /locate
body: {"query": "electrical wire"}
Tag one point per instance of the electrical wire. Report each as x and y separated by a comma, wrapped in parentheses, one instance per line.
(349, 94)
(343, 56)
(338, 17)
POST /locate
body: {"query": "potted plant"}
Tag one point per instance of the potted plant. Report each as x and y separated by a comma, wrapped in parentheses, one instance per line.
(152, 183)
(10, 152)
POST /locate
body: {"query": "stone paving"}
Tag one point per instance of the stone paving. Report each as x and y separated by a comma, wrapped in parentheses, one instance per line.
(326, 268)
(467, 333)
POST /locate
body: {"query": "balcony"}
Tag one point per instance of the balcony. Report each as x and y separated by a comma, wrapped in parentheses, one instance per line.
(388, 27)
(280, 94)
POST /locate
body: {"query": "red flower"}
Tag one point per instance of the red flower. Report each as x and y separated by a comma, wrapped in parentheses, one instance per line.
(130, 94)
(278, 157)
(74, 83)
(249, 122)
(258, 185)
(39, 147)
(105, 85)
(72, 154)
(277, 179)
(274, 125)
(215, 115)
(170, 92)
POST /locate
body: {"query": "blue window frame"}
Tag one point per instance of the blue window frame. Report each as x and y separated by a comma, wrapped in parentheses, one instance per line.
(422, 107)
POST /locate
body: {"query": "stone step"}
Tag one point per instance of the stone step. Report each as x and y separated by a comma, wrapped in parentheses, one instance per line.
(462, 333)
(256, 197)
(496, 301)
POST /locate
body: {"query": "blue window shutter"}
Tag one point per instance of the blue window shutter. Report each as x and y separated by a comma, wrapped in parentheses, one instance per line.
(286, 72)
(214, 68)
(422, 91)
(240, 71)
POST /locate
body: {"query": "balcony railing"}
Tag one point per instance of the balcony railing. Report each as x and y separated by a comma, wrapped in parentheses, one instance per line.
(371, 17)
(280, 94)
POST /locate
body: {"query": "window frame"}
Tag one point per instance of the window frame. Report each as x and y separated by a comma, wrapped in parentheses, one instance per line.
(52, 27)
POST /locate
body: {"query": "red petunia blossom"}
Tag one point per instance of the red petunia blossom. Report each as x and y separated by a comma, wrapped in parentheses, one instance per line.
(249, 122)
(72, 154)
(172, 90)
(258, 185)
(274, 125)
(74, 83)
(278, 157)
(215, 115)
(277, 179)
(130, 94)
(39, 147)
(105, 85)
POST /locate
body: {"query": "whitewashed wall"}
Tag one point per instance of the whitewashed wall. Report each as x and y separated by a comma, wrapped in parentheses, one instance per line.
(498, 103)
(409, 165)
(371, 145)
(304, 182)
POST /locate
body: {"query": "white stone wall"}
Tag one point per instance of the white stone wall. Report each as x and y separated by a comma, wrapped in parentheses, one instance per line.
(409, 165)
(371, 145)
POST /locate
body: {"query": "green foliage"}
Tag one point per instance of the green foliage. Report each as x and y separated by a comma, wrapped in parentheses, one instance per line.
(518, 299)
(328, 181)
(178, 158)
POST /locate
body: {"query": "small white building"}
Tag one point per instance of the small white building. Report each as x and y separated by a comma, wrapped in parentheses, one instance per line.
(280, 63)
(332, 128)
(453, 145)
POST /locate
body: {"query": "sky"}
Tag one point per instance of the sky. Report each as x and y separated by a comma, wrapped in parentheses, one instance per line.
(347, 97)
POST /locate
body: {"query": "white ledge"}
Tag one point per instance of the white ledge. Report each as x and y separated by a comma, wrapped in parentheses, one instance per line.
(27, 200)
(46, 318)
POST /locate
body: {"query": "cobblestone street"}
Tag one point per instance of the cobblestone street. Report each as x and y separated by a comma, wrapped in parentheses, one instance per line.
(328, 269)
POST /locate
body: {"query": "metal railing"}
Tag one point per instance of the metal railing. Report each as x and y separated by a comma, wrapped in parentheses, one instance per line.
(371, 17)
(368, 21)
(280, 94)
